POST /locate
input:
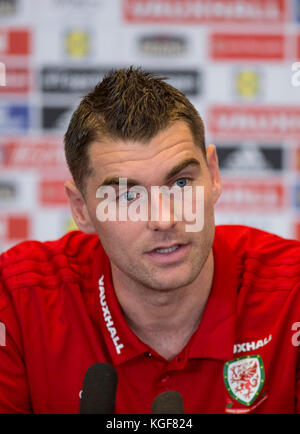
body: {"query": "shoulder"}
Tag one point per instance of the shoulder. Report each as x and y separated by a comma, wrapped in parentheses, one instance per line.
(46, 263)
(247, 240)
(272, 262)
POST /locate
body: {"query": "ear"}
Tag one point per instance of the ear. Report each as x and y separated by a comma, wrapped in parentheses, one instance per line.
(213, 167)
(78, 207)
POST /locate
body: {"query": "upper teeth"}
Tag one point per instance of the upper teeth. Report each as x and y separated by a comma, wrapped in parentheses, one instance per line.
(171, 249)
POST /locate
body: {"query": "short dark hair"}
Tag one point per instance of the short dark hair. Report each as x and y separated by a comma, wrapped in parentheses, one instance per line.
(128, 104)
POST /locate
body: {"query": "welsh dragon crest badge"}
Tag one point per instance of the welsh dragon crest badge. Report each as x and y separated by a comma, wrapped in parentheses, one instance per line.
(244, 378)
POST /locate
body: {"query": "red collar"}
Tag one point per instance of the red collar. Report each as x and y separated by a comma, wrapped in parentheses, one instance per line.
(214, 337)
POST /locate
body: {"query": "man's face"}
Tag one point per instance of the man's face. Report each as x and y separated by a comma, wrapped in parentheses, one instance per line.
(130, 245)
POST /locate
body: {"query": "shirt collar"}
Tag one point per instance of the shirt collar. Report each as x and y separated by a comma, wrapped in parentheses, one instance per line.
(214, 337)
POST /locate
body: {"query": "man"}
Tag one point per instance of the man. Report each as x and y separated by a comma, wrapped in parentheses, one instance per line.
(212, 314)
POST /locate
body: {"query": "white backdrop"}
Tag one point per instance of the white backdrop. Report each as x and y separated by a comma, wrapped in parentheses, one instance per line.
(233, 59)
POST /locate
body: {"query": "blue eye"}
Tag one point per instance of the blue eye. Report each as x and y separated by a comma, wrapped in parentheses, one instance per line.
(129, 196)
(182, 182)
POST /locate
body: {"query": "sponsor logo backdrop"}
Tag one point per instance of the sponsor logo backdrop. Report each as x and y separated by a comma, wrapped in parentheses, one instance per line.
(232, 58)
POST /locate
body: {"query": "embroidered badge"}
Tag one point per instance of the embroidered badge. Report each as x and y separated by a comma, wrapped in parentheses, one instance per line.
(244, 378)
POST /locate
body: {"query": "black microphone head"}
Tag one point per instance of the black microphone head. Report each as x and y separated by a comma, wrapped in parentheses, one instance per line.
(99, 389)
(169, 402)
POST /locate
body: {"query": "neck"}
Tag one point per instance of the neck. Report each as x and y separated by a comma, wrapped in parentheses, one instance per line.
(165, 320)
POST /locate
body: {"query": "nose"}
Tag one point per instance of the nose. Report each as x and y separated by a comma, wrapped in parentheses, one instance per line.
(161, 213)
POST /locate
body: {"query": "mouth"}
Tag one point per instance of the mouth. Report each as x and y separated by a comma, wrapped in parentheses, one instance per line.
(166, 249)
(168, 254)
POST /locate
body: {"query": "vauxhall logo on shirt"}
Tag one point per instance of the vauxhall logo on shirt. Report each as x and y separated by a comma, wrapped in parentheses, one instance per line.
(107, 317)
(250, 346)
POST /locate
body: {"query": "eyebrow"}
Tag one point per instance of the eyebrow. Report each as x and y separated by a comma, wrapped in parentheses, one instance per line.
(173, 172)
(182, 165)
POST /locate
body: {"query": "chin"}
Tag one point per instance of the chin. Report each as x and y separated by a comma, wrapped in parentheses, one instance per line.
(176, 281)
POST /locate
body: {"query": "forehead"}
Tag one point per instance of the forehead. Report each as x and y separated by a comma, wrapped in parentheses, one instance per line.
(128, 158)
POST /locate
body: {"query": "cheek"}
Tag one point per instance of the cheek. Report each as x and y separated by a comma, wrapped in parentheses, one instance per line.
(203, 198)
(208, 208)
(117, 237)
(208, 198)
(208, 195)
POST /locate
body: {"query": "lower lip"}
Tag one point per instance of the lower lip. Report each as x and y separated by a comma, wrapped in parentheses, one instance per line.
(167, 258)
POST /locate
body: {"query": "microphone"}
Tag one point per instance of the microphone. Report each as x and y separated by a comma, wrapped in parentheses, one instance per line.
(99, 389)
(169, 402)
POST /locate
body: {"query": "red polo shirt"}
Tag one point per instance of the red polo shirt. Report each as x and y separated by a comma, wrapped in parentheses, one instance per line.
(60, 315)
